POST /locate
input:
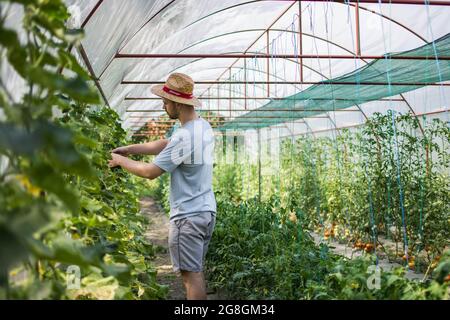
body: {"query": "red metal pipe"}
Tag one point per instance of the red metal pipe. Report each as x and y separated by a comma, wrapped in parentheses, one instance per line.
(254, 98)
(344, 127)
(305, 82)
(392, 20)
(91, 13)
(411, 2)
(300, 40)
(229, 92)
(83, 24)
(262, 111)
(265, 56)
(255, 41)
(268, 64)
(91, 71)
(359, 124)
(357, 31)
(236, 119)
(245, 84)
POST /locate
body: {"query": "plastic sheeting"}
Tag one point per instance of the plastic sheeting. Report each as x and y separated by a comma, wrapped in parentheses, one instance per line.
(395, 76)
(232, 26)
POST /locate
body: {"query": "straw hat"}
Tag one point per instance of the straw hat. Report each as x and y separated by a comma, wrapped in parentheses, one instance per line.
(179, 88)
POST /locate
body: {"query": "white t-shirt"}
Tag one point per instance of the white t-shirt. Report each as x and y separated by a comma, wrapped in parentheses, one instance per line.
(189, 158)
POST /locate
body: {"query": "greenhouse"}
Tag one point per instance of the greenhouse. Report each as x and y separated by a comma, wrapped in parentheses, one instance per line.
(327, 123)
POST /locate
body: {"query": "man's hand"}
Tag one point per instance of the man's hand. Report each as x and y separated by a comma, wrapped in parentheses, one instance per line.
(141, 169)
(151, 148)
(116, 160)
(124, 151)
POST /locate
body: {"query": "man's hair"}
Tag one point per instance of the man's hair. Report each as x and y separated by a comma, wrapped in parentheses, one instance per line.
(183, 104)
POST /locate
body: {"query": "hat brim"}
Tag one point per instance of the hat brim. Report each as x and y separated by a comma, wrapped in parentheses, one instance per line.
(158, 90)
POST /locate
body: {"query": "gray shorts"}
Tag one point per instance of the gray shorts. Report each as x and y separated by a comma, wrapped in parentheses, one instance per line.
(189, 239)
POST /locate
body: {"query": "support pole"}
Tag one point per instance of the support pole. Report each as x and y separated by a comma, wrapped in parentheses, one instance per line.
(245, 84)
(229, 101)
(259, 164)
(268, 64)
(300, 41)
(358, 36)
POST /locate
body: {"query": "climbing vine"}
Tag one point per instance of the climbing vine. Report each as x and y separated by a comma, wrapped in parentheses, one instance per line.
(61, 207)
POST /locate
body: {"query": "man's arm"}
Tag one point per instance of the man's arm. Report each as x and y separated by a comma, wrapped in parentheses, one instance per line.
(141, 169)
(150, 148)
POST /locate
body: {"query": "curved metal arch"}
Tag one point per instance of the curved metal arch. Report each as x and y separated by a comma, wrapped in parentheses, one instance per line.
(295, 32)
(407, 29)
(260, 71)
(288, 31)
(222, 10)
(132, 37)
(257, 85)
(313, 70)
(91, 13)
(333, 43)
(385, 17)
(204, 17)
(349, 4)
(260, 86)
(290, 60)
(308, 127)
(304, 65)
(143, 118)
(282, 79)
(326, 112)
(250, 2)
(392, 20)
(304, 118)
(277, 30)
(142, 27)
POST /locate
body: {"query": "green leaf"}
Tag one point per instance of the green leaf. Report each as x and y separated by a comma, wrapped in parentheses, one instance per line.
(45, 177)
(12, 250)
(17, 140)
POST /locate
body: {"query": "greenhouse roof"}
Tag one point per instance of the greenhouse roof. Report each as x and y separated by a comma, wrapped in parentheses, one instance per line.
(270, 63)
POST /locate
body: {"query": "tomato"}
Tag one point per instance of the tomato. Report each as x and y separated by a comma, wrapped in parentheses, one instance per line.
(293, 217)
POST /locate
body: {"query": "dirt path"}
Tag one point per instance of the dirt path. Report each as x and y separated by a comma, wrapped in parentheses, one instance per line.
(157, 233)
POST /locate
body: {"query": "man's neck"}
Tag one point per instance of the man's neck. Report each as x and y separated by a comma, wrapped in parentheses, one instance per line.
(187, 116)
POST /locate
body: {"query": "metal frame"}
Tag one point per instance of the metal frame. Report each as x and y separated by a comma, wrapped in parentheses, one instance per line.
(85, 58)
(326, 82)
(245, 55)
(267, 56)
(91, 14)
(358, 125)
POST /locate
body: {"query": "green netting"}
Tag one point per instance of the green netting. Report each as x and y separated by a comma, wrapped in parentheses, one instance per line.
(329, 96)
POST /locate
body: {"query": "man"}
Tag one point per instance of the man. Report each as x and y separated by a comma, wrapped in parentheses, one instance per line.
(187, 156)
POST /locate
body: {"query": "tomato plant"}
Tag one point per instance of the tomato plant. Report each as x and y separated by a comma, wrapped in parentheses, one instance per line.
(60, 205)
